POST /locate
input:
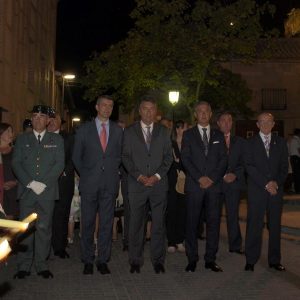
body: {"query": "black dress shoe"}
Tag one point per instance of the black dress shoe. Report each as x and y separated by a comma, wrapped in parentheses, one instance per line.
(278, 267)
(21, 274)
(88, 269)
(135, 268)
(249, 267)
(103, 269)
(213, 266)
(159, 268)
(62, 254)
(237, 251)
(191, 267)
(45, 274)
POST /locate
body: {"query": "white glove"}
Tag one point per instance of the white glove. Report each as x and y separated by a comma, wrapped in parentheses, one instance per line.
(37, 187)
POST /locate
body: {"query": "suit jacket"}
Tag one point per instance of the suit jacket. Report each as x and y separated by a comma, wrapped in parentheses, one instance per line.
(95, 167)
(139, 161)
(66, 180)
(196, 164)
(260, 168)
(41, 162)
(236, 161)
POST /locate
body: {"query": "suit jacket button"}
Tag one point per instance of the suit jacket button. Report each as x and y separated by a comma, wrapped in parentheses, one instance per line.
(149, 155)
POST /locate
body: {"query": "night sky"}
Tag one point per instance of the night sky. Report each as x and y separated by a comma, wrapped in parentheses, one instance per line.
(85, 26)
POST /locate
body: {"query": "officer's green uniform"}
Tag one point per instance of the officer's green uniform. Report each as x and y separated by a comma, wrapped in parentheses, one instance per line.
(42, 162)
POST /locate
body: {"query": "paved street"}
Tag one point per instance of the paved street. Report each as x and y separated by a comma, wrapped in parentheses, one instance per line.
(233, 283)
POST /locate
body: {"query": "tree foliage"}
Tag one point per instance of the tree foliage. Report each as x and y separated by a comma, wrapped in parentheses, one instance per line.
(178, 44)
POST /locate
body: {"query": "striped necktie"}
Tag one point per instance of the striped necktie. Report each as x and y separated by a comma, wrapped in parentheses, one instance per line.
(267, 144)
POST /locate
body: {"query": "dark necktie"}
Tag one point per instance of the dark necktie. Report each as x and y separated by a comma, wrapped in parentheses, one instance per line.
(205, 141)
(39, 138)
(148, 137)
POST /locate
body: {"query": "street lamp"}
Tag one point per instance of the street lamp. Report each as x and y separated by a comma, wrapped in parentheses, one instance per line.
(173, 99)
(65, 77)
(75, 120)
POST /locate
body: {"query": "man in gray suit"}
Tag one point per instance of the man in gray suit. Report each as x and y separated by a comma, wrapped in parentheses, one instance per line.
(97, 157)
(147, 156)
(38, 161)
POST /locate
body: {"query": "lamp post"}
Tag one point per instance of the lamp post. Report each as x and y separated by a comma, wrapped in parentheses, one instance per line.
(65, 77)
(173, 99)
(75, 120)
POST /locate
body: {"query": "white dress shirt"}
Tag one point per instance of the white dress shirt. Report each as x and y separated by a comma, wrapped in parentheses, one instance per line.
(200, 128)
(144, 129)
(37, 134)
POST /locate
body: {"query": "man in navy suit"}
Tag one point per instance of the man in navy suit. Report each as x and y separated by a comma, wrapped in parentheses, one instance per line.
(204, 159)
(267, 168)
(233, 181)
(97, 158)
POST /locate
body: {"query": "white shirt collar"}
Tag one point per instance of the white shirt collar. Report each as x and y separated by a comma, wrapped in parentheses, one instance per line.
(57, 131)
(144, 126)
(200, 128)
(262, 135)
(37, 133)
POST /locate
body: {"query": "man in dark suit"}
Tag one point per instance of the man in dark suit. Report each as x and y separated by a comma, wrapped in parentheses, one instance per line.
(38, 161)
(66, 191)
(204, 158)
(267, 168)
(147, 156)
(97, 157)
(233, 181)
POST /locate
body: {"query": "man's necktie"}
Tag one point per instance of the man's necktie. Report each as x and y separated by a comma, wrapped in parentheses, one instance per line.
(267, 144)
(103, 137)
(148, 137)
(39, 138)
(205, 140)
(227, 141)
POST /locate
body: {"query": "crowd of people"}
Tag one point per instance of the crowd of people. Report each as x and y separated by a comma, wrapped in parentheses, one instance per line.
(151, 178)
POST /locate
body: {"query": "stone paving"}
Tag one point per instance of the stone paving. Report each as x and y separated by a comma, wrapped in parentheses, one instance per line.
(233, 283)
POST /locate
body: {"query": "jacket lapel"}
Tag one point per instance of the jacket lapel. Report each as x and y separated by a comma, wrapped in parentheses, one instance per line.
(95, 136)
(262, 146)
(198, 137)
(110, 136)
(139, 132)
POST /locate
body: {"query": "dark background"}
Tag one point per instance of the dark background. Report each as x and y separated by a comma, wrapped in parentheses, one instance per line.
(85, 26)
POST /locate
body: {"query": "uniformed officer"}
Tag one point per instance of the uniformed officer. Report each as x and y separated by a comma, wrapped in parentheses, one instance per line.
(38, 161)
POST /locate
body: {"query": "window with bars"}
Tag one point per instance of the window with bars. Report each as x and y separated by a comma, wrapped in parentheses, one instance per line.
(274, 99)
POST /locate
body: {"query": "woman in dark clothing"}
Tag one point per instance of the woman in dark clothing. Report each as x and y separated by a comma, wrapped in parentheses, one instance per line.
(176, 208)
(10, 204)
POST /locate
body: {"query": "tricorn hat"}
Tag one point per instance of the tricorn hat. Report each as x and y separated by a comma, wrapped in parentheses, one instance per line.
(44, 109)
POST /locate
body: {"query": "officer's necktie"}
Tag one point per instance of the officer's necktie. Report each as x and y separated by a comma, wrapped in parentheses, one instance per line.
(227, 141)
(205, 140)
(103, 137)
(39, 138)
(267, 144)
(148, 137)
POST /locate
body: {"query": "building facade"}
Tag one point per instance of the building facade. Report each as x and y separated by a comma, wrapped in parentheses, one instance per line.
(275, 85)
(27, 57)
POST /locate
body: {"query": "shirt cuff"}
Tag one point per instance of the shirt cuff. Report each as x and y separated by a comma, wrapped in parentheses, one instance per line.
(158, 176)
